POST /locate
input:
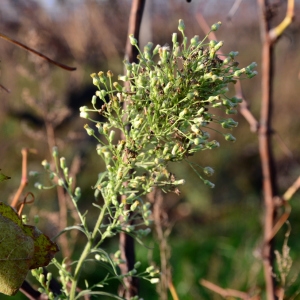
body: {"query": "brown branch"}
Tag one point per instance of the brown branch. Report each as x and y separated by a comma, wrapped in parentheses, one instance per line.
(4, 88)
(135, 21)
(265, 149)
(162, 229)
(31, 293)
(234, 8)
(268, 37)
(126, 242)
(284, 202)
(24, 179)
(276, 32)
(292, 190)
(283, 218)
(226, 292)
(65, 67)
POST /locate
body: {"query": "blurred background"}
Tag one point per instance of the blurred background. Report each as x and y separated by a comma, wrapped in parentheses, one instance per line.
(216, 233)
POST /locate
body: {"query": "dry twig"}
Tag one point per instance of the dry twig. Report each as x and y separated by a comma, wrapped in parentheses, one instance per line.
(269, 36)
(127, 242)
(227, 292)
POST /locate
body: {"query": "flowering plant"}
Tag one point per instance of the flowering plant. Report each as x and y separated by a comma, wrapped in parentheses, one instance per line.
(164, 114)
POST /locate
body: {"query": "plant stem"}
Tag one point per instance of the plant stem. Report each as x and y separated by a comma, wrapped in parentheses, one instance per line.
(86, 252)
(81, 260)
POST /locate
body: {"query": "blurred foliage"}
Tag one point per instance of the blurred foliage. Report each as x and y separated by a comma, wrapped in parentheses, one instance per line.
(216, 233)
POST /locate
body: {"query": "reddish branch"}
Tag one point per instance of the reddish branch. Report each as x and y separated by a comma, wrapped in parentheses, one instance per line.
(227, 293)
(269, 36)
(265, 148)
(127, 242)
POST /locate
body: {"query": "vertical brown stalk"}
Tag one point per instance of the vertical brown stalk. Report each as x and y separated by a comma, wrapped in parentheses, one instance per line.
(265, 148)
(127, 242)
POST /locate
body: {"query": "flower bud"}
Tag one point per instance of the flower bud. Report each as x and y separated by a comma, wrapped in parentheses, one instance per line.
(195, 128)
(174, 38)
(96, 80)
(216, 26)
(156, 49)
(55, 151)
(111, 136)
(38, 185)
(229, 137)
(212, 43)
(89, 130)
(77, 192)
(45, 164)
(181, 26)
(195, 40)
(150, 269)
(208, 171)
(227, 60)
(174, 150)
(94, 100)
(42, 278)
(218, 46)
(133, 41)
(84, 115)
(233, 54)
(231, 111)
(117, 86)
(49, 276)
(154, 280)
(254, 73)
(210, 184)
(62, 162)
(109, 74)
(60, 182)
(134, 206)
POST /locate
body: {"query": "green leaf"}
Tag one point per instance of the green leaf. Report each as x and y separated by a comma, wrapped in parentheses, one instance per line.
(3, 177)
(22, 247)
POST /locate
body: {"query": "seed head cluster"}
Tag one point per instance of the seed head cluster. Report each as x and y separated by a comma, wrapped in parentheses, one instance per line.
(171, 107)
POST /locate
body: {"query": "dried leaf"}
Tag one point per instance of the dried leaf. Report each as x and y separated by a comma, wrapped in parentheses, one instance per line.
(22, 247)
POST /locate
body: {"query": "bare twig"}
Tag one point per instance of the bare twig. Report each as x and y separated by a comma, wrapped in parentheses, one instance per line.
(284, 202)
(5, 37)
(162, 229)
(244, 108)
(283, 218)
(31, 293)
(127, 242)
(268, 37)
(292, 190)
(227, 292)
(24, 179)
(234, 8)
(265, 149)
(277, 31)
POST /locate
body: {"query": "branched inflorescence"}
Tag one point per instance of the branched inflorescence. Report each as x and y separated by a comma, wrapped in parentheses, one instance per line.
(167, 113)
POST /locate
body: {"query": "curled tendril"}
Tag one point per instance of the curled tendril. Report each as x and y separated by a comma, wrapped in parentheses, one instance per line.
(25, 201)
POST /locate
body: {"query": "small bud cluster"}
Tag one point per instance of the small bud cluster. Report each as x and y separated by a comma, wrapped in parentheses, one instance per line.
(44, 280)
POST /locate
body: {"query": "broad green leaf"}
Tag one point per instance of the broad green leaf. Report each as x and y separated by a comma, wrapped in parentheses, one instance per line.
(22, 247)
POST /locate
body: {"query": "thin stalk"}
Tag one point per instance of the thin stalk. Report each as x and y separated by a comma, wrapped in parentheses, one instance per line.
(86, 252)
(266, 151)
